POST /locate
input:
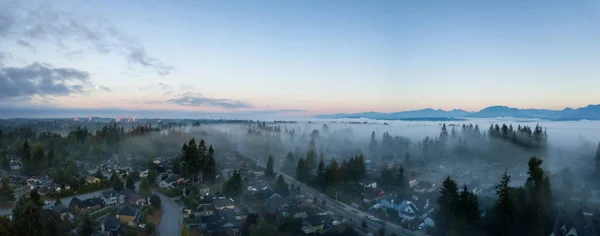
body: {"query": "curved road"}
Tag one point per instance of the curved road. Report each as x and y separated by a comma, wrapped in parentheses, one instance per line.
(172, 217)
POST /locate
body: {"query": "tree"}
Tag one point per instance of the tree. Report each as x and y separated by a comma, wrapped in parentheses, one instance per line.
(117, 184)
(27, 216)
(184, 231)
(7, 194)
(233, 187)
(86, 227)
(302, 171)
(540, 193)
(4, 160)
(381, 231)
(130, 182)
(155, 201)
(290, 158)
(269, 171)
(290, 225)
(57, 201)
(51, 158)
(262, 228)
(401, 180)
(210, 166)
(145, 188)
(446, 206)
(6, 227)
(468, 211)
(281, 187)
(321, 174)
(176, 169)
(373, 143)
(505, 211)
(364, 224)
(597, 160)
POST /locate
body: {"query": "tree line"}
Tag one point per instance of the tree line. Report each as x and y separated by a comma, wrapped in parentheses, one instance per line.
(525, 210)
(197, 162)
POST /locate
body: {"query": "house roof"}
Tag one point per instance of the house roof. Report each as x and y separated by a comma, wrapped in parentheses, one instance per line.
(366, 182)
(172, 178)
(61, 209)
(317, 220)
(74, 201)
(91, 178)
(131, 195)
(127, 211)
(110, 193)
(223, 202)
(275, 202)
(373, 193)
(90, 202)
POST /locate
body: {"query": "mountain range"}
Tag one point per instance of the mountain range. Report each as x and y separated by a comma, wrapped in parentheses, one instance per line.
(590, 112)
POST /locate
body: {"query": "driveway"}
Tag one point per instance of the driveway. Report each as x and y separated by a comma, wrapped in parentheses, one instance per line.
(172, 218)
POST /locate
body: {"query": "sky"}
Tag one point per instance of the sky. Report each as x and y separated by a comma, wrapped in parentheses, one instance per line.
(296, 58)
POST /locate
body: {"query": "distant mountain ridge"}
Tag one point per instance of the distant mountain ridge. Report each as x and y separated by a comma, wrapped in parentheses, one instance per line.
(590, 112)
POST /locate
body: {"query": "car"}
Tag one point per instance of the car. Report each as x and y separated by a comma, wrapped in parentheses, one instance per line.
(46, 202)
(373, 218)
(143, 226)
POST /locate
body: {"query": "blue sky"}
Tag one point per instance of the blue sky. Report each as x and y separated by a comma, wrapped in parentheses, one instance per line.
(304, 57)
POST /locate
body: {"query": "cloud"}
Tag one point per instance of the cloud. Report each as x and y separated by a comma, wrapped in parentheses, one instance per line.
(45, 24)
(156, 86)
(104, 88)
(191, 99)
(41, 79)
(26, 44)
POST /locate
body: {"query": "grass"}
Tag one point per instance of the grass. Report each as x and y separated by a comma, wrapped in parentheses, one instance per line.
(154, 217)
(218, 187)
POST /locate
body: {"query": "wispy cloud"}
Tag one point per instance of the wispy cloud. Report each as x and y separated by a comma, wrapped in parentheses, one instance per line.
(195, 99)
(43, 23)
(161, 86)
(104, 88)
(26, 44)
(43, 80)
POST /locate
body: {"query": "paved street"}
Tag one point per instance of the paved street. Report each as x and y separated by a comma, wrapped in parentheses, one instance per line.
(171, 222)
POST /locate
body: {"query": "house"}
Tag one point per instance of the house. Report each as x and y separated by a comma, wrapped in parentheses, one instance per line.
(424, 206)
(63, 212)
(373, 194)
(111, 226)
(365, 183)
(221, 204)
(112, 197)
(317, 222)
(128, 214)
(296, 212)
(170, 181)
(206, 210)
(408, 210)
(83, 206)
(132, 197)
(425, 187)
(92, 179)
(275, 203)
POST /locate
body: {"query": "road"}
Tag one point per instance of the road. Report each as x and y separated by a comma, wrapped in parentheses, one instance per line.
(172, 217)
(352, 214)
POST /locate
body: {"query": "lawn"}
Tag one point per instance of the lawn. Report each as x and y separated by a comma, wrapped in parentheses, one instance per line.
(104, 211)
(218, 187)
(154, 217)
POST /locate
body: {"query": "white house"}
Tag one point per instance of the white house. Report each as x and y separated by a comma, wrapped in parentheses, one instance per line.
(112, 197)
(368, 183)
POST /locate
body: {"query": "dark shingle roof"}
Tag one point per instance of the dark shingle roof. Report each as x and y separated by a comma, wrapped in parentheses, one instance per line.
(127, 211)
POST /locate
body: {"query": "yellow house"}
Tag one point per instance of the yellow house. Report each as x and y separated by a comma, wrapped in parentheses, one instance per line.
(128, 214)
(91, 179)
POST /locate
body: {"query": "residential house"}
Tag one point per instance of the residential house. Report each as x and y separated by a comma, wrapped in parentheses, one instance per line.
(171, 181)
(365, 183)
(424, 206)
(132, 197)
(425, 187)
(275, 203)
(317, 222)
(92, 179)
(83, 206)
(373, 194)
(111, 226)
(64, 212)
(223, 203)
(206, 210)
(408, 210)
(112, 197)
(128, 215)
(296, 212)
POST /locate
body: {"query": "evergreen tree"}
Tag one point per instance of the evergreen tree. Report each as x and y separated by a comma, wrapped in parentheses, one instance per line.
(373, 143)
(51, 158)
(39, 160)
(130, 182)
(210, 166)
(117, 184)
(597, 161)
(184, 231)
(28, 163)
(401, 180)
(27, 217)
(145, 188)
(269, 171)
(302, 172)
(6, 226)
(234, 186)
(334, 177)
(505, 213)
(176, 169)
(99, 174)
(468, 211)
(281, 187)
(57, 201)
(447, 202)
(290, 158)
(539, 189)
(7, 194)
(86, 228)
(155, 201)
(4, 160)
(321, 174)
